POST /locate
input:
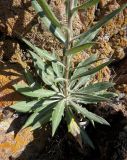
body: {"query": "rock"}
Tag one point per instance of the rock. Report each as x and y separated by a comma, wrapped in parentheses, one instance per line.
(10, 75)
(23, 144)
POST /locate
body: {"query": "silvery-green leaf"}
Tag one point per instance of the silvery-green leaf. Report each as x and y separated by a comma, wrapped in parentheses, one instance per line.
(57, 115)
(85, 5)
(48, 12)
(37, 116)
(82, 81)
(89, 97)
(26, 106)
(84, 65)
(97, 87)
(53, 28)
(108, 94)
(86, 37)
(89, 115)
(42, 53)
(73, 127)
(86, 138)
(80, 48)
(92, 71)
(42, 120)
(31, 92)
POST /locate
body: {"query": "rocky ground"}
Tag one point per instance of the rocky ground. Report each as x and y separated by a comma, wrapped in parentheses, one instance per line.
(17, 17)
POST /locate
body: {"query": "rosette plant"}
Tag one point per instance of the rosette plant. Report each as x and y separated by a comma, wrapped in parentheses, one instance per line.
(64, 92)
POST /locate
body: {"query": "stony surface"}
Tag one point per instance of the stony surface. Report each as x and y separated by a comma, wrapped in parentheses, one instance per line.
(15, 143)
(17, 17)
(9, 76)
(110, 36)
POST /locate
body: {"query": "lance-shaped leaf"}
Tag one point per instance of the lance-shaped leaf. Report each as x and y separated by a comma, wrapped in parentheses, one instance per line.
(79, 48)
(90, 97)
(86, 37)
(31, 92)
(82, 81)
(85, 5)
(92, 71)
(48, 12)
(73, 127)
(41, 120)
(86, 138)
(89, 115)
(108, 95)
(42, 53)
(54, 29)
(26, 106)
(36, 116)
(57, 115)
(97, 87)
(84, 65)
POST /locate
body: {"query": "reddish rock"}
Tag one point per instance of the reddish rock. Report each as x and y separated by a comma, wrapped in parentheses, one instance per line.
(9, 75)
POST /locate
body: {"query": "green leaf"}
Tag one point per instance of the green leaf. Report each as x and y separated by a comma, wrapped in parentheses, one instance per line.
(86, 37)
(90, 97)
(31, 92)
(84, 65)
(31, 82)
(48, 12)
(43, 71)
(85, 5)
(97, 87)
(26, 106)
(73, 127)
(40, 52)
(42, 120)
(108, 95)
(53, 28)
(39, 116)
(82, 81)
(89, 115)
(92, 71)
(86, 138)
(57, 115)
(79, 48)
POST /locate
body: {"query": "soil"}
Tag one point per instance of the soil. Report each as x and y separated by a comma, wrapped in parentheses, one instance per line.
(17, 17)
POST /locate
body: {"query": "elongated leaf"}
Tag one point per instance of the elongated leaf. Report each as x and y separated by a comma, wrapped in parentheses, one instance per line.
(42, 121)
(43, 71)
(57, 69)
(48, 12)
(92, 71)
(89, 115)
(80, 69)
(57, 115)
(54, 29)
(79, 48)
(26, 106)
(97, 87)
(108, 94)
(86, 37)
(82, 81)
(90, 97)
(42, 53)
(73, 127)
(36, 116)
(31, 82)
(87, 139)
(86, 5)
(38, 93)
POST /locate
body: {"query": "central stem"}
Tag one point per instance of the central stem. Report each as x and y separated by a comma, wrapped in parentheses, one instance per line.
(68, 45)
